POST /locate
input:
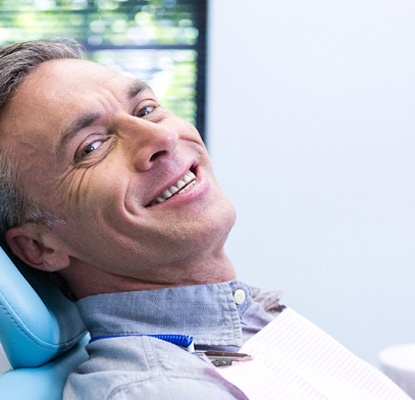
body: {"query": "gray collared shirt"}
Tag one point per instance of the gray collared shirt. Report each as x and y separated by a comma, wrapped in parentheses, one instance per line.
(126, 366)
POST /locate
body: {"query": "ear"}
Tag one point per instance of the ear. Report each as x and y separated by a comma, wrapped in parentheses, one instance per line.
(36, 247)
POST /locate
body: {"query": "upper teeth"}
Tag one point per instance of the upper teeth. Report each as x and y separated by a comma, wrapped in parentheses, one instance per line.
(183, 183)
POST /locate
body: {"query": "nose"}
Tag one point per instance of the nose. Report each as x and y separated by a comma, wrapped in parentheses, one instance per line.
(149, 143)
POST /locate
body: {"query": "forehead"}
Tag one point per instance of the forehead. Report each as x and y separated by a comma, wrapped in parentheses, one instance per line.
(58, 80)
(57, 90)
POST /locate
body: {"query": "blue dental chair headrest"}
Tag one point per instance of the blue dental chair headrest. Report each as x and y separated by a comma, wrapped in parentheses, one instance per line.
(41, 332)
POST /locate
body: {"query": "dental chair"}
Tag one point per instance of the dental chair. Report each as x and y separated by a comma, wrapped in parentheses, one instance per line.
(41, 333)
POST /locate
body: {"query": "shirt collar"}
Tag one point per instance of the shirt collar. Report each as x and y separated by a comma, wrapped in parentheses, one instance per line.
(209, 313)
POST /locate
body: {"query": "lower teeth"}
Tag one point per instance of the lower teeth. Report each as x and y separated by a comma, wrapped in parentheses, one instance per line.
(191, 184)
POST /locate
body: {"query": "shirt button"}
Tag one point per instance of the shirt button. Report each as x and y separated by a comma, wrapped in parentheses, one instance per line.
(239, 296)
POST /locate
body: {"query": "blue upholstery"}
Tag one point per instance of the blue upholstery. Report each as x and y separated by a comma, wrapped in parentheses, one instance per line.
(45, 382)
(41, 333)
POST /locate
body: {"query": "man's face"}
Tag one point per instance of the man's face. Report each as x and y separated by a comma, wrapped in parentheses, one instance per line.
(132, 181)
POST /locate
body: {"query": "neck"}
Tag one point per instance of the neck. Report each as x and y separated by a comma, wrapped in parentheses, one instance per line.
(87, 280)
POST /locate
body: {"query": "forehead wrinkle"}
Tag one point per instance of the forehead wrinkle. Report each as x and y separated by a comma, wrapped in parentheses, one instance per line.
(73, 129)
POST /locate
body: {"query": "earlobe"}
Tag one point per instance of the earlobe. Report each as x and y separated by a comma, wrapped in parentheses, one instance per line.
(31, 249)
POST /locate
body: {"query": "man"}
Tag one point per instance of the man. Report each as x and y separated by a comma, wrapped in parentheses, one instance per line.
(104, 187)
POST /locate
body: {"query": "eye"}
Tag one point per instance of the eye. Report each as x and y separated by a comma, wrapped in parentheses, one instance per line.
(145, 111)
(91, 147)
(85, 151)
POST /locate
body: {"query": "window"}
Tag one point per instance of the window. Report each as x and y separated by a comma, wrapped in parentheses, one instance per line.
(160, 41)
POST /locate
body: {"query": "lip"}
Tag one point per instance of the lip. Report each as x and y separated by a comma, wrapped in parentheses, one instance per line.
(173, 181)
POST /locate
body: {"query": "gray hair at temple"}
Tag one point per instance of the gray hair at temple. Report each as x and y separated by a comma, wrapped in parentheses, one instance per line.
(16, 62)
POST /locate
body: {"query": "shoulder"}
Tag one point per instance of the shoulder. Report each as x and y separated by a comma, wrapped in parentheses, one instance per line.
(144, 367)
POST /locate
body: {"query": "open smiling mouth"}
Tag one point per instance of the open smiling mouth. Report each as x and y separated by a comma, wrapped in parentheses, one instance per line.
(182, 185)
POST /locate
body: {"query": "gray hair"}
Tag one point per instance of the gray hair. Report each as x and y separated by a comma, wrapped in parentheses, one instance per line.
(16, 62)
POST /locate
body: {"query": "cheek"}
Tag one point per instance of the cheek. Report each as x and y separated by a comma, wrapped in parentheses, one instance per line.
(93, 212)
(184, 128)
(191, 133)
(93, 194)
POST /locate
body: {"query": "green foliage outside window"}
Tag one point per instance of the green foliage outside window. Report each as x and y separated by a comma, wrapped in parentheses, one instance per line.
(153, 40)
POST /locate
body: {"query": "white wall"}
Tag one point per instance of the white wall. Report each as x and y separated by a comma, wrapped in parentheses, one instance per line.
(311, 124)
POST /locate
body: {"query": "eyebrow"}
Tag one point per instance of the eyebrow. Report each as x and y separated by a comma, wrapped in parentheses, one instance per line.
(137, 87)
(69, 132)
